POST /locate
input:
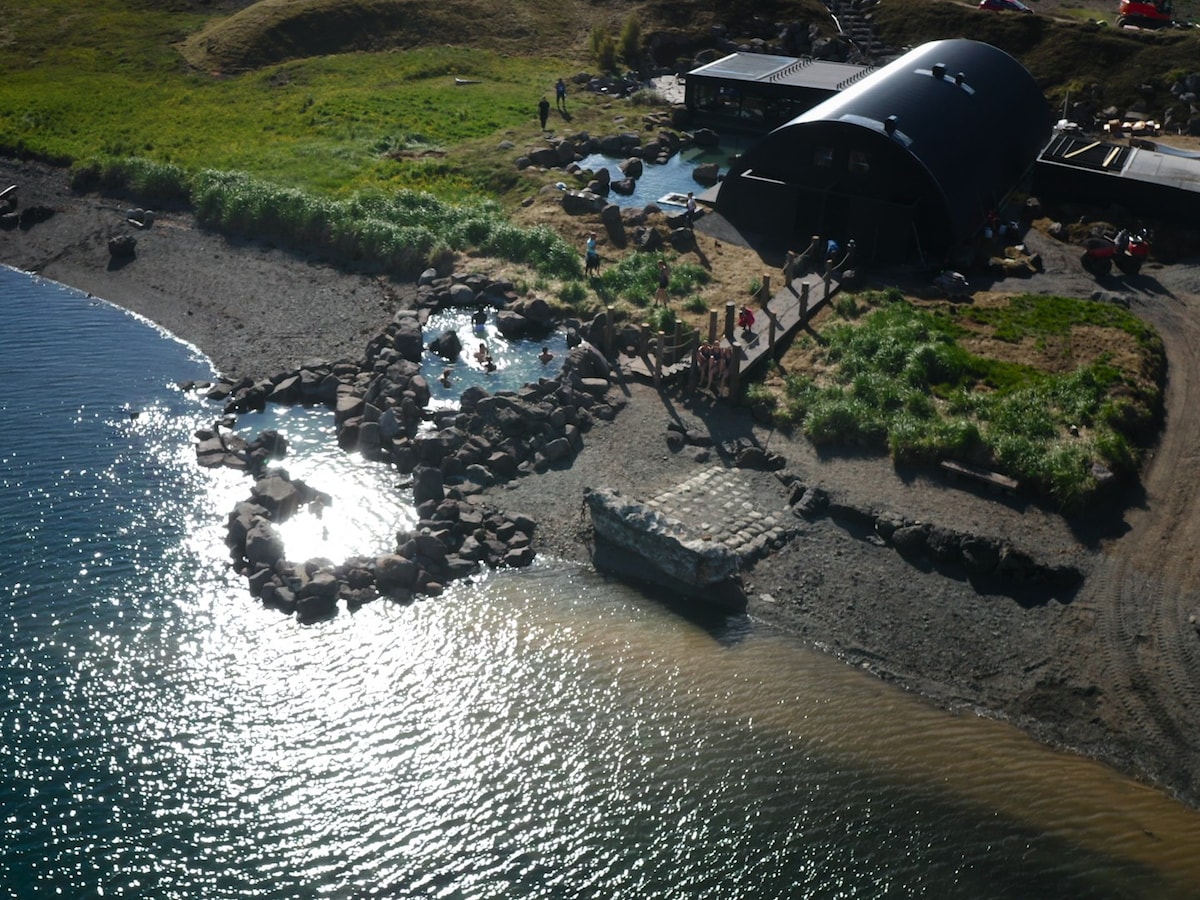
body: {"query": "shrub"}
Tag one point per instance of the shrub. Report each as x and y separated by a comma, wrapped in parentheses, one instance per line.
(148, 180)
(647, 97)
(572, 293)
(630, 42)
(836, 418)
(846, 306)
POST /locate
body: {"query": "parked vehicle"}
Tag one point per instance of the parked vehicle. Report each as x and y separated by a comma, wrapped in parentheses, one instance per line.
(1004, 6)
(1128, 250)
(1146, 13)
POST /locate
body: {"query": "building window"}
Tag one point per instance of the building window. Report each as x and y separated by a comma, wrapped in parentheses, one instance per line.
(823, 157)
(860, 162)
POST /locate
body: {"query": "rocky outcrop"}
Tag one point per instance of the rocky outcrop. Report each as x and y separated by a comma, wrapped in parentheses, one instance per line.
(378, 405)
(453, 538)
(982, 558)
(636, 541)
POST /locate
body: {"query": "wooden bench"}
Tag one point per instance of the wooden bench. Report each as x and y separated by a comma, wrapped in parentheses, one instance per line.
(993, 480)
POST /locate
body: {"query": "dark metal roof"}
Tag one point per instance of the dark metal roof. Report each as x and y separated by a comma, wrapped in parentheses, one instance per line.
(1175, 170)
(1163, 184)
(783, 70)
(969, 114)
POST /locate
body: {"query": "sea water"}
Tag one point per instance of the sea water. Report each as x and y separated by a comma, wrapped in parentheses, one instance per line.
(546, 733)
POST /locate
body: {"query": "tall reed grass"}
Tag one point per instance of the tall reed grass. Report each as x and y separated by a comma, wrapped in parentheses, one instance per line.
(402, 233)
(901, 380)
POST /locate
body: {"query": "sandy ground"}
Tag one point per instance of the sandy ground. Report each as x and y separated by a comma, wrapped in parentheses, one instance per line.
(1111, 670)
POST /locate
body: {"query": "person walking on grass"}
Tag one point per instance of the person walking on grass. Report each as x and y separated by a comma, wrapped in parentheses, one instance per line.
(543, 111)
(591, 256)
(664, 279)
(560, 95)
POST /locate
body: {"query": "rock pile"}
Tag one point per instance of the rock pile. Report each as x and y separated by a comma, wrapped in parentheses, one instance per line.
(380, 410)
(979, 556)
(452, 539)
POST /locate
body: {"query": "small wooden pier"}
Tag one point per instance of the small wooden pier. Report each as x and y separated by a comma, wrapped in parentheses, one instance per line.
(777, 313)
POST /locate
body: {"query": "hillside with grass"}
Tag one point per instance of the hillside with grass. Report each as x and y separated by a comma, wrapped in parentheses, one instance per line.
(1067, 54)
(271, 31)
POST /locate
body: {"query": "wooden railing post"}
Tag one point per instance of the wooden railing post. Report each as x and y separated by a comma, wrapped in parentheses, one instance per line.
(764, 294)
(658, 359)
(694, 368)
(712, 325)
(735, 369)
(729, 320)
(677, 343)
(609, 330)
(643, 338)
(803, 301)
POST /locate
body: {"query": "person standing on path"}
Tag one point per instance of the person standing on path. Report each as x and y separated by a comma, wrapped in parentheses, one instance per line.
(664, 279)
(691, 211)
(543, 111)
(591, 256)
(560, 95)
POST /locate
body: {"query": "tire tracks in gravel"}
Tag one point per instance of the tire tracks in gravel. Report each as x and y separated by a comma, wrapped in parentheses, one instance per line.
(1147, 582)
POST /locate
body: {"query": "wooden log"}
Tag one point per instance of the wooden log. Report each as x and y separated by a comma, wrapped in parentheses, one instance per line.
(735, 369)
(993, 480)
(712, 326)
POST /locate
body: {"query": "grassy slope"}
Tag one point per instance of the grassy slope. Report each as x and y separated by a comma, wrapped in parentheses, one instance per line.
(1063, 56)
(107, 78)
(274, 30)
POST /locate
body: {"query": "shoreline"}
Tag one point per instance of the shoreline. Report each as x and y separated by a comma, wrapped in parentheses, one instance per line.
(1067, 672)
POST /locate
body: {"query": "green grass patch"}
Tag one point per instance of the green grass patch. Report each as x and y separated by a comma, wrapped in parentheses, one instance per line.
(335, 124)
(401, 233)
(900, 379)
(634, 279)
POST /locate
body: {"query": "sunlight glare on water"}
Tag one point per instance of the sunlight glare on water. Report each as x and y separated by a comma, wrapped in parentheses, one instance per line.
(545, 733)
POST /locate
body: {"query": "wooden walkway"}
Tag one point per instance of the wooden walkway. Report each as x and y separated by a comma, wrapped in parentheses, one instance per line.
(784, 312)
(782, 315)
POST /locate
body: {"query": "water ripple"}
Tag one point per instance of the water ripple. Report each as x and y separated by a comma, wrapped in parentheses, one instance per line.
(542, 734)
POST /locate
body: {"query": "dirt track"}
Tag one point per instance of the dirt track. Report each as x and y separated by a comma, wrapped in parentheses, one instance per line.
(1131, 658)
(1112, 670)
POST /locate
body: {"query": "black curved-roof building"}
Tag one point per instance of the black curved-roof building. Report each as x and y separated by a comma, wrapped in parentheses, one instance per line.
(908, 161)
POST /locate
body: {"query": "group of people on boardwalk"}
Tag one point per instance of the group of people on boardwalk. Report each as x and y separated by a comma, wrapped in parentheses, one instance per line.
(713, 365)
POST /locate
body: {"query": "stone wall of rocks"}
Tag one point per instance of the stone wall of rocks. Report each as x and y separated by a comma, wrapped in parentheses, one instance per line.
(926, 543)
(453, 538)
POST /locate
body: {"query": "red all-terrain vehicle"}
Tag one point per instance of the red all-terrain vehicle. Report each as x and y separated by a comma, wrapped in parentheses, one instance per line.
(1146, 13)
(1128, 250)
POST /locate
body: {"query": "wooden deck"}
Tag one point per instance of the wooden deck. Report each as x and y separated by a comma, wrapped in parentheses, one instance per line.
(783, 310)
